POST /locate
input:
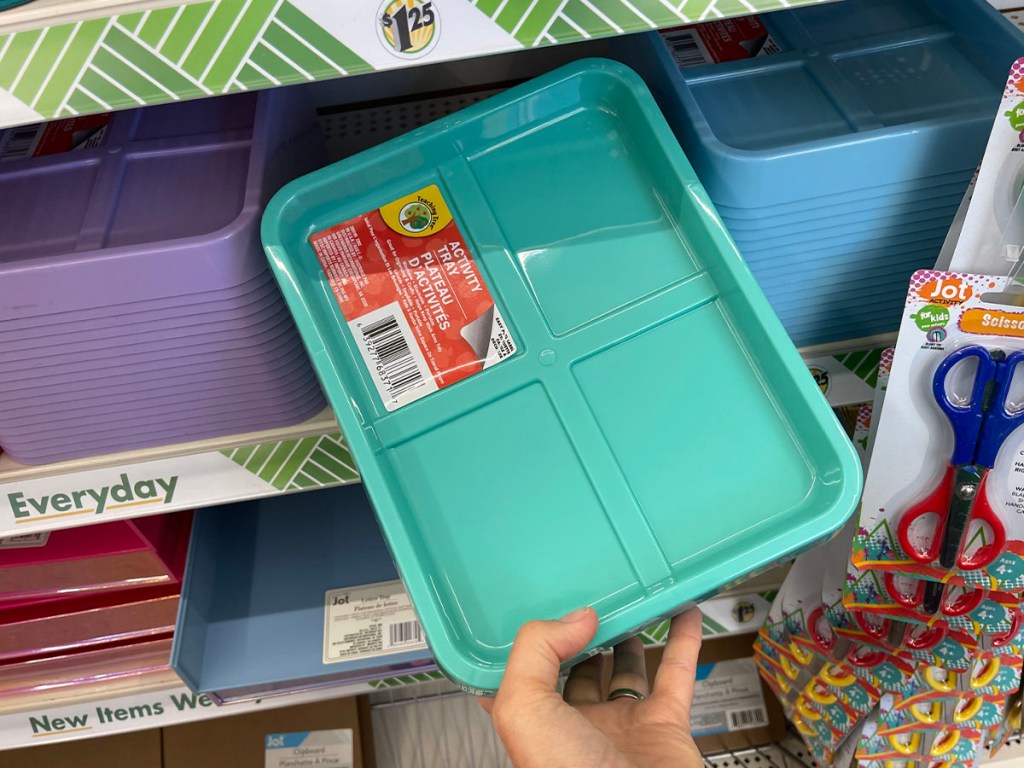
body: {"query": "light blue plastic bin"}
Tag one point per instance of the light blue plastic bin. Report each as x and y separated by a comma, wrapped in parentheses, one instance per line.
(865, 93)
(604, 463)
(910, 213)
(844, 289)
(867, 199)
(848, 268)
(818, 291)
(842, 235)
(860, 135)
(251, 619)
(830, 305)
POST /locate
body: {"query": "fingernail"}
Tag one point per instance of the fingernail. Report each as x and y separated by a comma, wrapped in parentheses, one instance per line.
(574, 616)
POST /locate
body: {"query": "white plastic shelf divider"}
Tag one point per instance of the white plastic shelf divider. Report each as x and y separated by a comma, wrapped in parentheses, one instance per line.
(62, 58)
(70, 721)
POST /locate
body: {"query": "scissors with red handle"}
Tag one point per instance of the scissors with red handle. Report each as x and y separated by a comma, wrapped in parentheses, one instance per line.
(980, 426)
(952, 601)
(916, 637)
(820, 630)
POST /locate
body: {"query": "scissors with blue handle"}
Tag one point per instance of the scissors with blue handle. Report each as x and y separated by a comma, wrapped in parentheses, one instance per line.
(980, 427)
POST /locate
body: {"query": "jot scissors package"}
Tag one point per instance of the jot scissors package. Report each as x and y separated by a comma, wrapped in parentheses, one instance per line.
(944, 497)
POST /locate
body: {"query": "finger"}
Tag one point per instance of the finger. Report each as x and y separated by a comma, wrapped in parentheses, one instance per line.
(629, 671)
(586, 682)
(674, 682)
(540, 648)
(486, 703)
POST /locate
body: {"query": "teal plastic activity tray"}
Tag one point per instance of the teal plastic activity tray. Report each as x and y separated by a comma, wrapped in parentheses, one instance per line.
(559, 380)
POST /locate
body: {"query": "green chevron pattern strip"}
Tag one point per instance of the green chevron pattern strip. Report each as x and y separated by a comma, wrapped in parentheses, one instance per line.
(292, 465)
(168, 54)
(419, 677)
(542, 22)
(864, 364)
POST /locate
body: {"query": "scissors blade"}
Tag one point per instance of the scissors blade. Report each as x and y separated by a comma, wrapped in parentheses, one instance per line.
(933, 594)
(966, 480)
(999, 420)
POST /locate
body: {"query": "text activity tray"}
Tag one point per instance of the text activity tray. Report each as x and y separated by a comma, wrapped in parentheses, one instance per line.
(640, 432)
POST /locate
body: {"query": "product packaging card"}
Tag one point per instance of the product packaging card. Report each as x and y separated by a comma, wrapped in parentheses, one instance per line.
(312, 749)
(727, 697)
(944, 497)
(952, 745)
(903, 597)
(991, 241)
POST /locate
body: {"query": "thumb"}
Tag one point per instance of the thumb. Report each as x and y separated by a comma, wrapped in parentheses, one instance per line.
(540, 648)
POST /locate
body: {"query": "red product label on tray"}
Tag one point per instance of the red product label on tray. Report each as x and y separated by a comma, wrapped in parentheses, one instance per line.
(413, 296)
(717, 41)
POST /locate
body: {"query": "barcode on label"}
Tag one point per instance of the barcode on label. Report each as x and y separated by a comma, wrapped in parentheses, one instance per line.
(18, 142)
(389, 347)
(405, 633)
(746, 718)
(686, 49)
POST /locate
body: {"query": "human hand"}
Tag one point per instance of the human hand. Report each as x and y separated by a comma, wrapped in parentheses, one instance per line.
(540, 729)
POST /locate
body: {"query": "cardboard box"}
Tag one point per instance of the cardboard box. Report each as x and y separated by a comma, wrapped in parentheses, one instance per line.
(139, 749)
(241, 740)
(720, 703)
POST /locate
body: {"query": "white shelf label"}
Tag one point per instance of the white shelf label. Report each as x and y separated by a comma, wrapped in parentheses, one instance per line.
(323, 749)
(727, 697)
(367, 622)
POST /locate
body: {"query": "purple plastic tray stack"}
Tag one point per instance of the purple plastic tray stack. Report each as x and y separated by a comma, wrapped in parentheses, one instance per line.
(136, 305)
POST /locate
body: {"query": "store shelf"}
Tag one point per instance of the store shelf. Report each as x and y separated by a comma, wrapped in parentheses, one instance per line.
(63, 720)
(60, 58)
(50, 13)
(308, 456)
(64, 715)
(67, 57)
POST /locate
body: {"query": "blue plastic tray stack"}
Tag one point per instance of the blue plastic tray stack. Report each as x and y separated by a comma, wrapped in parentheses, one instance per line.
(838, 163)
(251, 618)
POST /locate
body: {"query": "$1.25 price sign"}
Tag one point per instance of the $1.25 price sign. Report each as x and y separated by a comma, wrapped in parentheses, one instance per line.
(408, 28)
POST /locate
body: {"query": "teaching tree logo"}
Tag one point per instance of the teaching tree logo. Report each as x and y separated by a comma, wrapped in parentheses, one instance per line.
(416, 216)
(408, 28)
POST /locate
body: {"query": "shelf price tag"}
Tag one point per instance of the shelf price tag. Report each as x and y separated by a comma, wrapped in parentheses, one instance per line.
(370, 621)
(409, 29)
(326, 749)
